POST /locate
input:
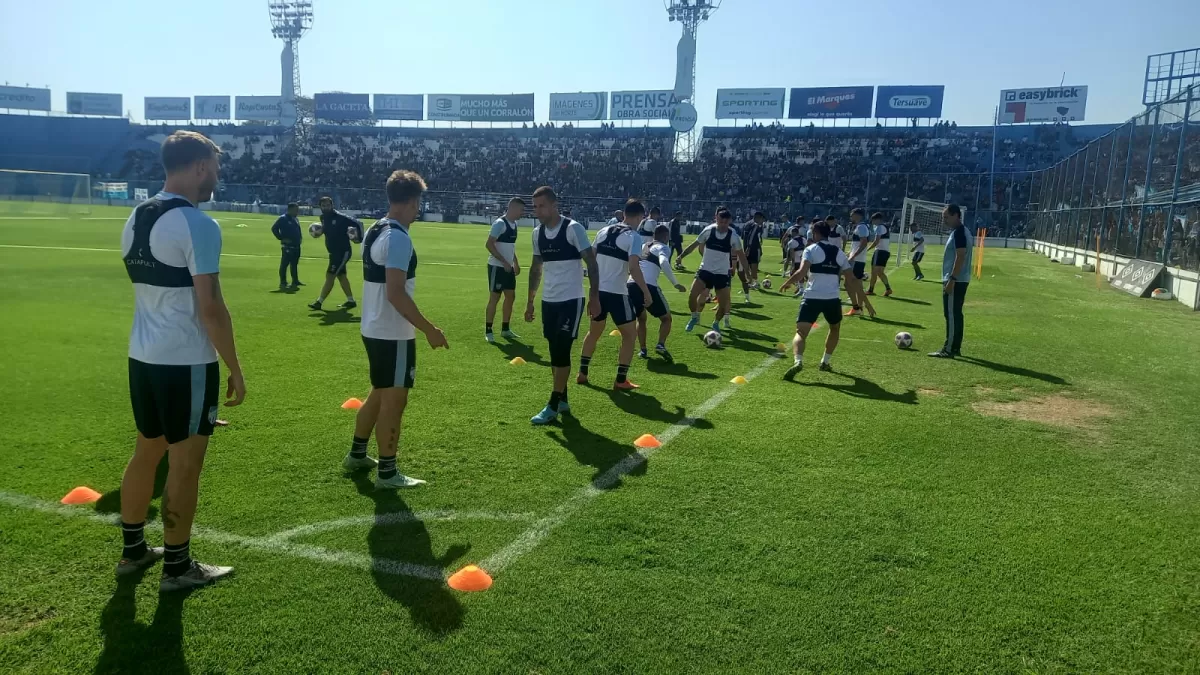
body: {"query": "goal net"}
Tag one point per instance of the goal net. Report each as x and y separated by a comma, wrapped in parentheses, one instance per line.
(922, 215)
(43, 193)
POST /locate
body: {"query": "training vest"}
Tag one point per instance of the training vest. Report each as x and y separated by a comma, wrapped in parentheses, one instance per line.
(142, 266)
(608, 246)
(724, 246)
(886, 234)
(510, 233)
(830, 264)
(375, 273)
(857, 238)
(650, 257)
(558, 248)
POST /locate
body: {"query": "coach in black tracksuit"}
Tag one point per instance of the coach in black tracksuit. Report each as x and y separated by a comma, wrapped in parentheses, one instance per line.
(287, 230)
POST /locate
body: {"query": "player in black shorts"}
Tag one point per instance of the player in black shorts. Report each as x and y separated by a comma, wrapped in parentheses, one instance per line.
(752, 238)
(676, 242)
(339, 231)
(917, 251)
(822, 265)
(503, 268)
(655, 259)
(882, 245)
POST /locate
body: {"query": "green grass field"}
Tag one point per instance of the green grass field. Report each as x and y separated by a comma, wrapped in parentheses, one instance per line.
(1036, 509)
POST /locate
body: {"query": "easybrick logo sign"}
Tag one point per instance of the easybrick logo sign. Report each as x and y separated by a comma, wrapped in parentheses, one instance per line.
(1043, 104)
(1048, 94)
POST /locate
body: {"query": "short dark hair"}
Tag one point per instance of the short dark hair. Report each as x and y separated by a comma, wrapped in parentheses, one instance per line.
(858, 212)
(324, 199)
(662, 231)
(724, 213)
(516, 200)
(831, 217)
(655, 210)
(634, 207)
(822, 229)
(816, 219)
(404, 186)
(800, 220)
(953, 210)
(292, 205)
(547, 192)
(877, 216)
(184, 148)
(759, 214)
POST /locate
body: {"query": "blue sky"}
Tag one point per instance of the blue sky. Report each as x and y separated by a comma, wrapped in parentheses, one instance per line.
(170, 48)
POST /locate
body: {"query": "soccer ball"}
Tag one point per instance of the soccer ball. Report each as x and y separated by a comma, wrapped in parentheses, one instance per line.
(766, 284)
(712, 339)
(904, 340)
(352, 233)
(315, 230)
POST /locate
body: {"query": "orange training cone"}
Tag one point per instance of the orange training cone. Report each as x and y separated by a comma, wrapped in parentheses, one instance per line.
(352, 404)
(646, 441)
(469, 579)
(81, 495)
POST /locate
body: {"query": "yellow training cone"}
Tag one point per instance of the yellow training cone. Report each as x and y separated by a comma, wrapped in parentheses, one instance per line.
(615, 333)
(518, 361)
(738, 380)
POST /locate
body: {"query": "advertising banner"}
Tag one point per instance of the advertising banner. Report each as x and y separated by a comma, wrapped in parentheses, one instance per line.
(80, 103)
(818, 103)
(591, 105)
(341, 107)
(480, 107)
(909, 101)
(168, 108)
(763, 104)
(25, 98)
(258, 108)
(1045, 104)
(211, 107)
(399, 106)
(655, 104)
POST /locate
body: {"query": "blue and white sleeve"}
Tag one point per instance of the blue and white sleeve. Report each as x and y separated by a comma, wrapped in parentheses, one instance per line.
(579, 234)
(498, 229)
(204, 254)
(635, 243)
(399, 253)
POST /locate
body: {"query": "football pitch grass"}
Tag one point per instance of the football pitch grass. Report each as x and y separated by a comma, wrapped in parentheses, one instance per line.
(1034, 508)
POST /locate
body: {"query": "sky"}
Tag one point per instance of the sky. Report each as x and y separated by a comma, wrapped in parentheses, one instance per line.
(975, 48)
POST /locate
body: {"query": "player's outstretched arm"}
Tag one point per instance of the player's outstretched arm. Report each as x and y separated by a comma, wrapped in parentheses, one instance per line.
(664, 262)
(535, 280)
(799, 274)
(398, 295)
(214, 315)
(691, 247)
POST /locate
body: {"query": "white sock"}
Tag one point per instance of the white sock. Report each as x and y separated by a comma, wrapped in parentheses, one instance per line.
(825, 359)
(799, 360)
(320, 298)
(350, 298)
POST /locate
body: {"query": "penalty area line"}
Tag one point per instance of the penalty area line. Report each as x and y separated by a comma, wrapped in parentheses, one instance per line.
(223, 255)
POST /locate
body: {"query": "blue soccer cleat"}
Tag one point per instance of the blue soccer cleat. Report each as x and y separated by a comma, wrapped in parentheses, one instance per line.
(691, 324)
(547, 416)
(564, 408)
(716, 326)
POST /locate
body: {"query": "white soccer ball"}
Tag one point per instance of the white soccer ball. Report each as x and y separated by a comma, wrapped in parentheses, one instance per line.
(904, 340)
(315, 230)
(766, 283)
(712, 339)
(352, 234)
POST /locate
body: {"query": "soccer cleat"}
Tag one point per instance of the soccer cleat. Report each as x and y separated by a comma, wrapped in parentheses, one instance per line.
(794, 370)
(581, 378)
(941, 354)
(887, 293)
(352, 463)
(728, 326)
(397, 482)
(349, 304)
(547, 416)
(642, 353)
(691, 324)
(624, 386)
(854, 312)
(716, 326)
(489, 337)
(315, 306)
(871, 292)
(295, 286)
(825, 367)
(666, 355)
(283, 286)
(126, 566)
(197, 576)
(955, 353)
(564, 408)
(509, 335)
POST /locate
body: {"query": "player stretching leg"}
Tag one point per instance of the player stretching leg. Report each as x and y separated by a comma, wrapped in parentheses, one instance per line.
(172, 254)
(822, 264)
(917, 251)
(656, 258)
(339, 231)
(861, 237)
(883, 252)
(389, 324)
(503, 268)
(558, 245)
(720, 243)
(617, 248)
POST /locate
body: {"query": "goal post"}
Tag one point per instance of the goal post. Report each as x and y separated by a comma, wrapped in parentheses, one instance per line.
(927, 216)
(45, 193)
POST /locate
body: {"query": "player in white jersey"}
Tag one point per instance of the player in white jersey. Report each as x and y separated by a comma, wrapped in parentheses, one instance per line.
(837, 234)
(618, 217)
(503, 268)
(655, 259)
(917, 251)
(172, 252)
(720, 244)
(390, 319)
(796, 256)
(618, 249)
(648, 225)
(823, 264)
(882, 245)
(559, 244)
(860, 240)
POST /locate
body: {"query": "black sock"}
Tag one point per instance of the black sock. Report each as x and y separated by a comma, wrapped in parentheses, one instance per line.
(584, 362)
(555, 399)
(135, 540)
(504, 326)
(178, 559)
(622, 372)
(358, 447)
(387, 467)
(487, 327)
(887, 286)
(564, 396)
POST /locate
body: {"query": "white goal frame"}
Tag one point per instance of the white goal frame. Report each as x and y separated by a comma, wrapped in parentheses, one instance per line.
(81, 198)
(929, 214)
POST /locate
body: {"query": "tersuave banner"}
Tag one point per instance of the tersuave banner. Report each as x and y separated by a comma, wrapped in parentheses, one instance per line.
(582, 106)
(342, 107)
(258, 108)
(1047, 104)
(211, 107)
(655, 104)
(480, 107)
(168, 108)
(25, 98)
(909, 101)
(399, 106)
(81, 103)
(816, 103)
(753, 103)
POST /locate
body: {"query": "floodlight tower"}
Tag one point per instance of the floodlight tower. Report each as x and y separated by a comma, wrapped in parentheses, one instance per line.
(290, 19)
(689, 13)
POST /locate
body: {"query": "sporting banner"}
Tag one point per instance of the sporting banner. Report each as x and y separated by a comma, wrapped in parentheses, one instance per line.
(168, 108)
(1048, 104)
(818, 103)
(655, 104)
(80, 103)
(399, 106)
(258, 108)
(591, 105)
(25, 98)
(909, 101)
(341, 107)
(211, 107)
(480, 107)
(763, 104)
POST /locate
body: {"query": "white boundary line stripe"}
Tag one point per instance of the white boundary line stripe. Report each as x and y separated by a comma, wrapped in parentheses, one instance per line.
(531, 537)
(279, 543)
(223, 255)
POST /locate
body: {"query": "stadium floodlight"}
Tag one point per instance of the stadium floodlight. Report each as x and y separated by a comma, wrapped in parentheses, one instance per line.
(290, 19)
(690, 13)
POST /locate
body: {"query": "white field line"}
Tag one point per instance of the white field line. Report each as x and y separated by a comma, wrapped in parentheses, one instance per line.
(279, 544)
(223, 255)
(531, 537)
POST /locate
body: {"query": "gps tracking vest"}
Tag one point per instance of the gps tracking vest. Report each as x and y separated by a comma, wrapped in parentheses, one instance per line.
(375, 273)
(558, 248)
(140, 263)
(608, 246)
(725, 245)
(510, 233)
(830, 264)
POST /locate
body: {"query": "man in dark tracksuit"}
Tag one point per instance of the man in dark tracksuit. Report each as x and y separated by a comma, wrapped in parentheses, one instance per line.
(956, 275)
(287, 230)
(339, 231)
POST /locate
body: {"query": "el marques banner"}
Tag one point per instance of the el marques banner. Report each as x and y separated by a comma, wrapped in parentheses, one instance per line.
(818, 103)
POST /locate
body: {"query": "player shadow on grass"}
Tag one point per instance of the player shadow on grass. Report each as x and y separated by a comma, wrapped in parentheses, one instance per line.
(676, 369)
(649, 408)
(130, 647)
(512, 350)
(892, 322)
(1013, 370)
(334, 317)
(110, 502)
(431, 604)
(749, 316)
(742, 339)
(285, 291)
(860, 387)
(909, 301)
(594, 450)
